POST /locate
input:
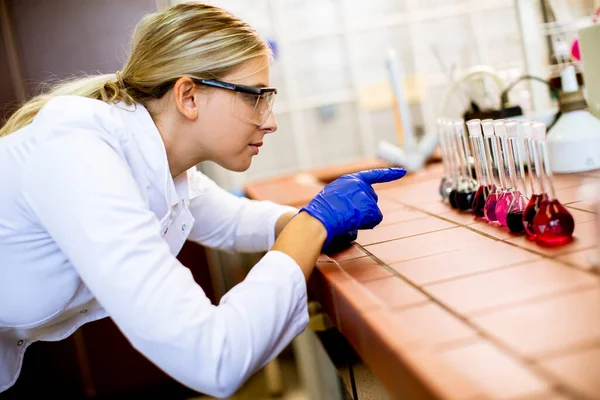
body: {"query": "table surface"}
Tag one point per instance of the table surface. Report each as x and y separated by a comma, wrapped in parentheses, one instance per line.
(442, 306)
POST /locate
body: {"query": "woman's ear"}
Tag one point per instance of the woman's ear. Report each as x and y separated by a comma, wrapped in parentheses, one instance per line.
(185, 97)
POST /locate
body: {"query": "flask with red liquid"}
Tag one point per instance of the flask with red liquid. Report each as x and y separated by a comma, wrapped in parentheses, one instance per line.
(481, 168)
(553, 224)
(534, 170)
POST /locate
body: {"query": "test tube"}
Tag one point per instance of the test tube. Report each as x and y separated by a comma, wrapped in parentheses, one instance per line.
(553, 224)
(481, 168)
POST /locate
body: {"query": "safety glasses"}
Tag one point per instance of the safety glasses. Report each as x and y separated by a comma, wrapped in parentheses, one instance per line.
(252, 104)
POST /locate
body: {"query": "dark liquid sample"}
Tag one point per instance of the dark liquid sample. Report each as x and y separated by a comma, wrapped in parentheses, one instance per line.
(452, 198)
(553, 224)
(464, 199)
(514, 221)
(532, 208)
(480, 199)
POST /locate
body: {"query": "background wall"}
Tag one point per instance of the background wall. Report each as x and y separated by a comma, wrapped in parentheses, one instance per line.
(335, 103)
(60, 38)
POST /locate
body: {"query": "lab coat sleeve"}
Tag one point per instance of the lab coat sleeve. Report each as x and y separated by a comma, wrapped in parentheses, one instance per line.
(232, 223)
(80, 190)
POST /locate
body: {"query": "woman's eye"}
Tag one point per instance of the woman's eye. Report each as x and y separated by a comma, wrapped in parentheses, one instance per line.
(249, 98)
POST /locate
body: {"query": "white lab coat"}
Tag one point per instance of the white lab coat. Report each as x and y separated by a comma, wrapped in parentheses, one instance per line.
(90, 224)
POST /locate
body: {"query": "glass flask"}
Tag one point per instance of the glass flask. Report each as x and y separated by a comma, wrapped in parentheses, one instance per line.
(516, 209)
(553, 224)
(534, 171)
(505, 197)
(468, 186)
(491, 150)
(481, 168)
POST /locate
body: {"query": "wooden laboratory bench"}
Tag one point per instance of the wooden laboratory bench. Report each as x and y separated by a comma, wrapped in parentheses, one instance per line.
(441, 306)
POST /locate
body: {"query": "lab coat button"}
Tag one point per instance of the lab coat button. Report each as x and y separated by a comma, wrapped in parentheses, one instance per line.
(20, 343)
(83, 311)
(183, 227)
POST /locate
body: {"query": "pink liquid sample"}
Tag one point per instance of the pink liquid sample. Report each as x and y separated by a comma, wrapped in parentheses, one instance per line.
(489, 209)
(502, 206)
(480, 198)
(553, 224)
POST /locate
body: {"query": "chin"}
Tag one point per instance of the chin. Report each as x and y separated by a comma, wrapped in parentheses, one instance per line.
(236, 165)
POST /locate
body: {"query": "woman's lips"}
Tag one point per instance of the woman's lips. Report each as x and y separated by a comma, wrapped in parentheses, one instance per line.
(255, 146)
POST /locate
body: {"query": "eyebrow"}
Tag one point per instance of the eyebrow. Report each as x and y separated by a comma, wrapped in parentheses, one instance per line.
(259, 85)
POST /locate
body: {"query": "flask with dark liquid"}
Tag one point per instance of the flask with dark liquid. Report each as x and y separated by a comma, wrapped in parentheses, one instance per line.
(481, 168)
(516, 209)
(468, 186)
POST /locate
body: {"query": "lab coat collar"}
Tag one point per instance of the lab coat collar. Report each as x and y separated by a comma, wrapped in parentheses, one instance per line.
(152, 148)
(186, 185)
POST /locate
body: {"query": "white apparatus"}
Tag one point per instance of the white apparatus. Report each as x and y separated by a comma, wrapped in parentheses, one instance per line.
(413, 154)
(574, 141)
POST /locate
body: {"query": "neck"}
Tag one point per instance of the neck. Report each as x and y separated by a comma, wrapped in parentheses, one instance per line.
(178, 156)
(177, 163)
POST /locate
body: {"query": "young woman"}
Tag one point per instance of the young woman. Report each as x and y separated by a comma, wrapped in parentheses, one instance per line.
(100, 191)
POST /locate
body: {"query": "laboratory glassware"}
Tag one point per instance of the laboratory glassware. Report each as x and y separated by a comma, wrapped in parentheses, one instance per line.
(514, 218)
(505, 197)
(481, 168)
(468, 186)
(491, 151)
(553, 224)
(534, 170)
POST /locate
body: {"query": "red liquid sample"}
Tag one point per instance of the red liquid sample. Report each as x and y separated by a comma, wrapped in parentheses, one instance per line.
(514, 221)
(480, 199)
(490, 207)
(530, 211)
(553, 225)
(502, 206)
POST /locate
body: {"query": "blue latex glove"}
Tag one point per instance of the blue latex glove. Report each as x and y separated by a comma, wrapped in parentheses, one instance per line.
(340, 242)
(350, 203)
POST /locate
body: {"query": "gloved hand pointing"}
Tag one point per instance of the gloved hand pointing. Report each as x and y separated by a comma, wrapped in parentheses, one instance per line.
(350, 203)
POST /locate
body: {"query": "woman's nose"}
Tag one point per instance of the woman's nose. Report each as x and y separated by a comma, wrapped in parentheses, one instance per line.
(270, 124)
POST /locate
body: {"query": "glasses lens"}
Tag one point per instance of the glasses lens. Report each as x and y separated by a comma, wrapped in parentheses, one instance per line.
(254, 108)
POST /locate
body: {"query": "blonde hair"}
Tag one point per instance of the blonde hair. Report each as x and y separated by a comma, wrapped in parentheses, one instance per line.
(189, 39)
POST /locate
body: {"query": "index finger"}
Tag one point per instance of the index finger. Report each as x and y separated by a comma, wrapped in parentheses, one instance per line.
(381, 175)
